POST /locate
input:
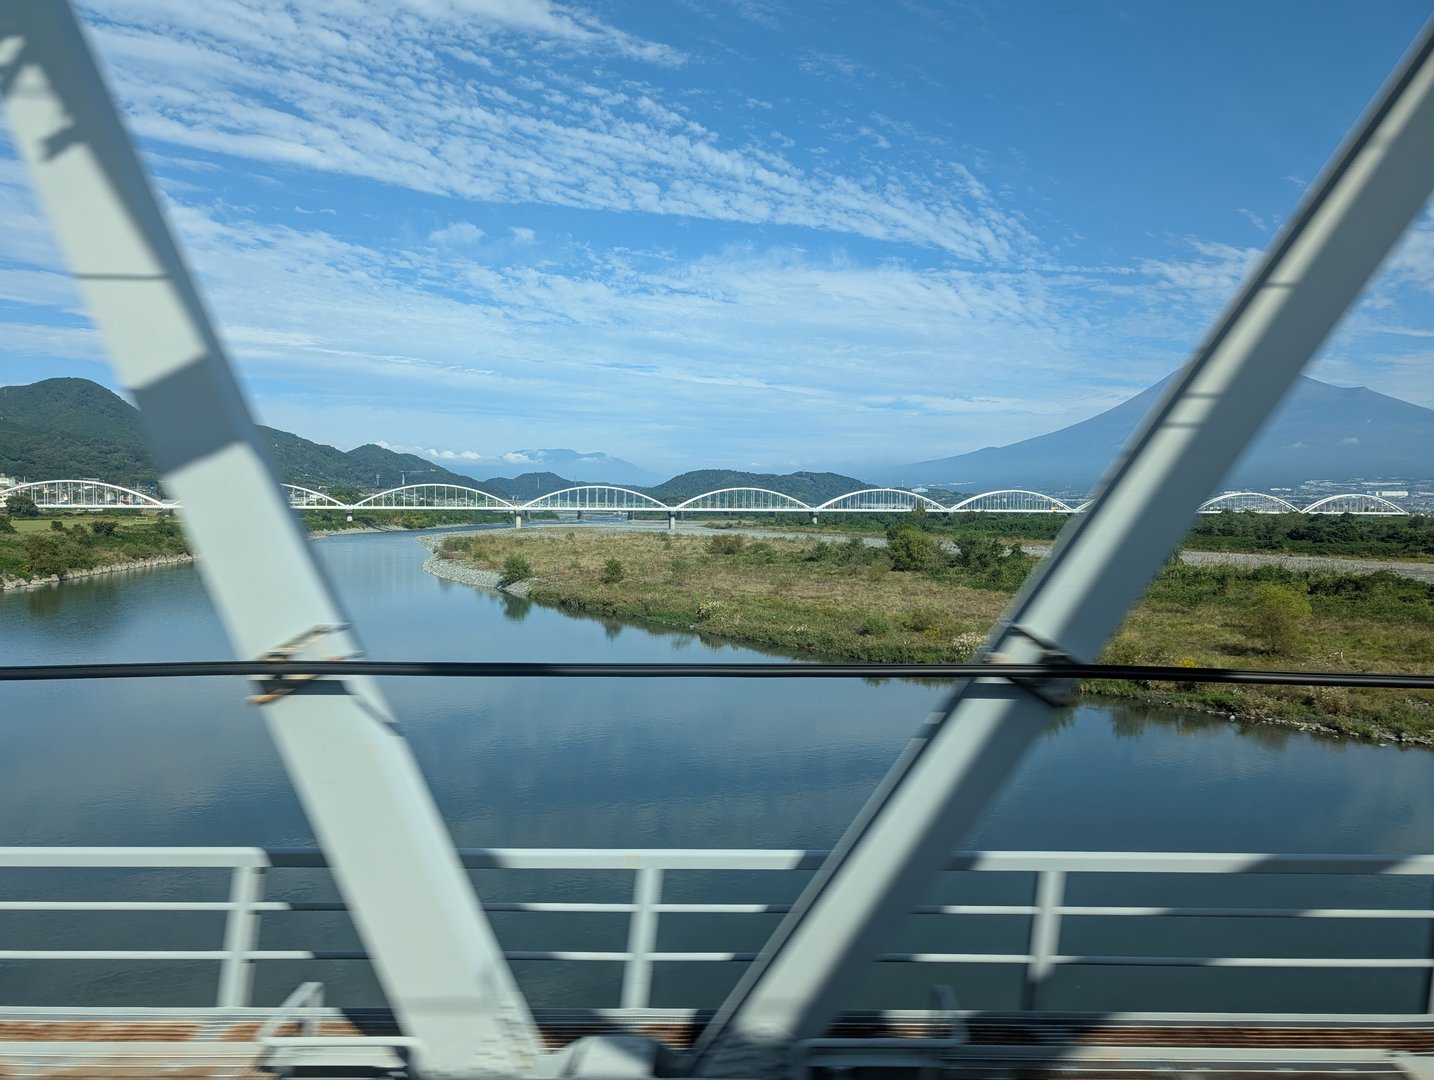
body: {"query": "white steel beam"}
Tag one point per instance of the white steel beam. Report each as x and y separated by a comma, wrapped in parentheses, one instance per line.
(414, 906)
(1353, 214)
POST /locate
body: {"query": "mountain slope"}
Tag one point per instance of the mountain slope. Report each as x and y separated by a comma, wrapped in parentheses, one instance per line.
(811, 488)
(1319, 432)
(74, 428)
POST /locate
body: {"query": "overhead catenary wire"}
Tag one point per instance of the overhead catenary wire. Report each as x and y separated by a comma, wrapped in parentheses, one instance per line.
(278, 669)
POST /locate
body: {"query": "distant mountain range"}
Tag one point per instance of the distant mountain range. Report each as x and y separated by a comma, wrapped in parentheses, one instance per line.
(591, 466)
(1320, 432)
(73, 428)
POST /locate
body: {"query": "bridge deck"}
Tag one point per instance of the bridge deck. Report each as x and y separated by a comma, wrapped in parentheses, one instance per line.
(194, 1044)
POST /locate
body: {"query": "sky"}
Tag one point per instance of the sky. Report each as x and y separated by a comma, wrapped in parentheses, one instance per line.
(752, 234)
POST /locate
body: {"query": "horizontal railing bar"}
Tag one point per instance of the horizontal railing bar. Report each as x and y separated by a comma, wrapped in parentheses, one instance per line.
(112, 954)
(132, 858)
(1377, 963)
(113, 905)
(565, 907)
(1255, 913)
(1423, 963)
(694, 859)
(768, 670)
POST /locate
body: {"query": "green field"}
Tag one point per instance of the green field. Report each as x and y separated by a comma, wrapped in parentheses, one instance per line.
(49, 546)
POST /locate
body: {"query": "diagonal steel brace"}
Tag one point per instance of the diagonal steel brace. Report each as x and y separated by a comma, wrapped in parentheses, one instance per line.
(435, 954)
(1373, 187)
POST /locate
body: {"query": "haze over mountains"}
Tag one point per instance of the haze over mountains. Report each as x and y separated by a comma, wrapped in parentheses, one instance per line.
(68, 428)
(1320, 432)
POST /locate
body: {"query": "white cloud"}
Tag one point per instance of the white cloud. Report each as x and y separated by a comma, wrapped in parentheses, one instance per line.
(459, 234)
(372, 92)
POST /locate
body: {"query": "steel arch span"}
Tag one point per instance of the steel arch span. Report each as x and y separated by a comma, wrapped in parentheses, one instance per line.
(879, 501)
(1011, 501)
(743, 499)
(302, 498)
(87, 495)
(432, 497)
(1249, 502)
(595, 497)
(1355, 504)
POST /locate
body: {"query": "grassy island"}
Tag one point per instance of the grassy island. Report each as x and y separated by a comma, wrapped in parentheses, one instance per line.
(916, 600)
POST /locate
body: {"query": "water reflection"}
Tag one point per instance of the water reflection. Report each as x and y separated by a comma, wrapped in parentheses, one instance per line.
(602, 762)
(515, 608)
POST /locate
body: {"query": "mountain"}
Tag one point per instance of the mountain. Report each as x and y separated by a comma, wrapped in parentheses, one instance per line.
(1320, 432)
(74, 428)
(592, 467)
(811, 488)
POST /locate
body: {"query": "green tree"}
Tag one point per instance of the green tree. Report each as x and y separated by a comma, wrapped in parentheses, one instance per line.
(6, 526)
(911, 549)
(1278, 616)
(612, 572)
(515, 568)
(21, 505)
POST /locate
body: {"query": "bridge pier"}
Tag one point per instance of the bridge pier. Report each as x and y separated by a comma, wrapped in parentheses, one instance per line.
(671, 522)
(518, 520)
(814, 519)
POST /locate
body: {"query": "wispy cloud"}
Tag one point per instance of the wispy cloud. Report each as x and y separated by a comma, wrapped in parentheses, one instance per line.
(446, 104)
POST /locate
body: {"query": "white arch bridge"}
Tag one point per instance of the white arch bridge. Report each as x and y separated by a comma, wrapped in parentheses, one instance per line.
(96, 495)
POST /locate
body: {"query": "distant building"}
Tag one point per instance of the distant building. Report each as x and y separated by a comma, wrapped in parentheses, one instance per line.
(7, 482)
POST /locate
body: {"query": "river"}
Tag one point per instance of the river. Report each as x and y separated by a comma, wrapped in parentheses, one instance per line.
(579, 763)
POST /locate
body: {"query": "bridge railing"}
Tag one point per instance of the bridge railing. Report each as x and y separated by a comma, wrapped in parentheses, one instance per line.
(96, 495)
(1060, 893)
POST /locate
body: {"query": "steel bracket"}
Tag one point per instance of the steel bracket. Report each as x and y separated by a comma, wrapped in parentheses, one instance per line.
(1055, 691)
(305, 646)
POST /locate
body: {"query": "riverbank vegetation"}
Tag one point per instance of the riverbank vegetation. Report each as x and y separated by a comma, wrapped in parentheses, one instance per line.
(49, 547)
(332, 521)
(1338, 535)
(917, 601)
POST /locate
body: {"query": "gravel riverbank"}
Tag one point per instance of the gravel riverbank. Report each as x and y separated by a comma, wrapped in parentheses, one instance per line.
(449, 570)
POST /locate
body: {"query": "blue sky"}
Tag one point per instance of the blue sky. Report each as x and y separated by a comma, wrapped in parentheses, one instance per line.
(742, 233)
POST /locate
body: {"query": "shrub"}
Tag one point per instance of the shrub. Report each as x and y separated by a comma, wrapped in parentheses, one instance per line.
(911, 549)
(56, 525)
(726, 544)
(102, 528)
(6, 526)
(680, 569)
(515, 568)
(874, 625)
(21, 505)
(612, 572)
(1277, 617)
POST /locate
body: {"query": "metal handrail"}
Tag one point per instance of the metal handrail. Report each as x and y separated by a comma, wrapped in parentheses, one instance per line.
(1046, 911)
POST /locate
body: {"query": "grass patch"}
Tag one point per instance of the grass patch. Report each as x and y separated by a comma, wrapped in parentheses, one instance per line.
(57, 546)
(848, 600)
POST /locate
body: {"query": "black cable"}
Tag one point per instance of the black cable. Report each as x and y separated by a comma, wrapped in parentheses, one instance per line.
(776, 670)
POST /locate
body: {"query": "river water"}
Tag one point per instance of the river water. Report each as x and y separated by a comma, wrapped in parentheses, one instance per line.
(648, 763)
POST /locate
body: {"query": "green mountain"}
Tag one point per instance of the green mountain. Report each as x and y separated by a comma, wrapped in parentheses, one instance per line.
(811, 488)
(73, 429)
